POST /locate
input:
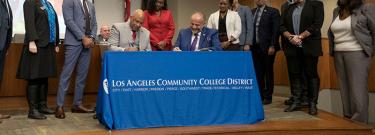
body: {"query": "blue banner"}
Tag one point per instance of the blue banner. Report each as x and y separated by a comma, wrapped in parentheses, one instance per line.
(159, 89)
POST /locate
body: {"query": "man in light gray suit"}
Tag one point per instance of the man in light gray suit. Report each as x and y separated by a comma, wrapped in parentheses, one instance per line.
(130, 36)
(6, 20)
(81, 27)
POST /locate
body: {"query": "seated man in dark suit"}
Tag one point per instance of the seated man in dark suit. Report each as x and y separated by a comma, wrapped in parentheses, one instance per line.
(197, 37)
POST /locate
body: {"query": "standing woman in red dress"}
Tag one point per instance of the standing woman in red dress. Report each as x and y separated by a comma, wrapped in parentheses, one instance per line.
(159, 21)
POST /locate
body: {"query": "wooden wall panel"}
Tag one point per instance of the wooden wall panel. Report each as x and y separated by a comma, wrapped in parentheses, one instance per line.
(326, 70)
(371, 1)
(277, 3)
(249, 3)
(274, 3)
(15, 87)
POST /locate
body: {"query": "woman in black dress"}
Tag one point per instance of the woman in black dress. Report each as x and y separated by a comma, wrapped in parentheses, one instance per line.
(38, 58)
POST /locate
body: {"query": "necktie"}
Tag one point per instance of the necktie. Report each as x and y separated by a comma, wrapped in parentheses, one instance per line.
(134, 35)
(194, 43)
(256, 14)
(256, 23)
(87, 18)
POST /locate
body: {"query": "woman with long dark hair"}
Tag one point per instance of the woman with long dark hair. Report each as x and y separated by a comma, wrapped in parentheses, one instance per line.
(159, 21)
(352, 41)
(38, 58)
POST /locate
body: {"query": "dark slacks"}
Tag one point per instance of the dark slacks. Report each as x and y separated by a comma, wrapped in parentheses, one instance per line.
(2, 62)
(299, 66)
(263, 64)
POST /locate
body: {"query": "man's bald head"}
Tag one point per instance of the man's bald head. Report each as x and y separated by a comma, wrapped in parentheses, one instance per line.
(138, 14)
(198, 16)
(136, 20)
(197, 22)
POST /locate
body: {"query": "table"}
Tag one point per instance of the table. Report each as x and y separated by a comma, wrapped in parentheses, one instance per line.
(167, 89)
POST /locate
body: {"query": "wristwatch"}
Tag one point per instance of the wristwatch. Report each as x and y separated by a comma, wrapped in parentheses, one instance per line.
(92, 37)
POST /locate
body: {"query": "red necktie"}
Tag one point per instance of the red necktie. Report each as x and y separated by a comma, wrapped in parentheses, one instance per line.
(134, 35)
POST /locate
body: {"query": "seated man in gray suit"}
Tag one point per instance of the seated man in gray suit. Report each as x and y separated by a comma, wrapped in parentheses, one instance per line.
(130, 36)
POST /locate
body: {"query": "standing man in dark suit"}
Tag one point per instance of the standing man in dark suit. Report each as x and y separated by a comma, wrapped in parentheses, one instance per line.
(6, 21)
(81, 27)
(265, 45)
(301, 23)
(304, 98)
(197, 37)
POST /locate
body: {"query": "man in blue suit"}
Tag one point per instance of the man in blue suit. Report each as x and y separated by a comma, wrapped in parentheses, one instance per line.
(197, 37)
(81, 27)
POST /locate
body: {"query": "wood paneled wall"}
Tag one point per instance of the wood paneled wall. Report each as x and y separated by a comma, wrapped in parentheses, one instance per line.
(371, 1)
(13, 87)
(275, 3)
(326, 70)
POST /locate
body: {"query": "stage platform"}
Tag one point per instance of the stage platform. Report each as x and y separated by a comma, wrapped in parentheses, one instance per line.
(277, 123)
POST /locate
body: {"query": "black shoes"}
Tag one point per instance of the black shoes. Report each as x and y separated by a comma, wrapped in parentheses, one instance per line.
(45, 110)
(293, 107)
(35, 114)
(313, 110)
(289, 101)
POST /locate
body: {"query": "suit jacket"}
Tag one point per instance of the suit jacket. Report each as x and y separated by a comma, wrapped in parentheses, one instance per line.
(5, 25)
(74, 18)
(99, 38)
(312, 17)
(233, 23)
(268, 29)
(363, 27)
(284, 41)
(121, 37)
(36, 24)
(209, 40)
(246, 37)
